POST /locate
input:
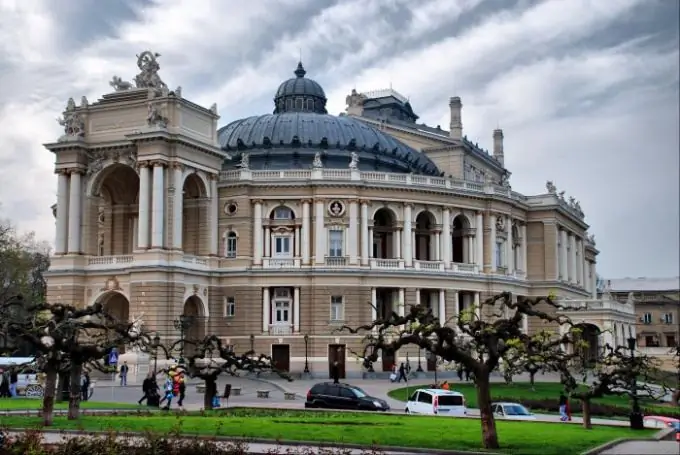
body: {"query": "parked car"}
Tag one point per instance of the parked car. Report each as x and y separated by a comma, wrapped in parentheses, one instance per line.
(511, 411)
(436, 402)
(662, 422)
(343, 396)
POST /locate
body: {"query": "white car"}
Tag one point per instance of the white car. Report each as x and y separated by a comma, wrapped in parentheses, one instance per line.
(511, 411)
(436, 402)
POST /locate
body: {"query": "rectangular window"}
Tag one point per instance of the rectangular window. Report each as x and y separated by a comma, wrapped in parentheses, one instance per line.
(335, 242)
(282, 246)
(281, 312)
(499, 255)
(647, 318)
(230, 247)
(281, 293)
(229, 308)
(337, 308)
(668, 318)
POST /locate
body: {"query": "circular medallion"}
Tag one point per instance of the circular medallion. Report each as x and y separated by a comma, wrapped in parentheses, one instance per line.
(230, 208)
(336, 208)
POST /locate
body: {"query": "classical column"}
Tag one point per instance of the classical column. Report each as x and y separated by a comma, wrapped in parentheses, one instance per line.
(401, 304)
(296, 250)
(523, 233)
(364, 233)
(266, 310)
(158, 205)
(564, 265)
(437, 246)
(525, 324)
(370, 241)
(374, 304)
(178, 206)
(214, 215)
(62, 212)
(135, 229)
(509, 248)
(479, 237)
(586, 278)
(319, 232)
(267, 242)
(408, 235)
(353, 244)
(572, 258)
(417, 297)
(577, 262)
(593, 280)
(305, 231)
(446, 233)
(442, 305)
(257, 235)
(144, 214)
(397, 243)
(74, 212)
(494, 246)
(584, 275)
(296, 310)
(477, 306)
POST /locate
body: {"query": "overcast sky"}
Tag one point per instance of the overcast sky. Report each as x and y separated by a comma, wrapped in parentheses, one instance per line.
(585, 91)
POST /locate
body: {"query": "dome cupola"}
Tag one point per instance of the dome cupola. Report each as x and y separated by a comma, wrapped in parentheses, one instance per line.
(300, 94)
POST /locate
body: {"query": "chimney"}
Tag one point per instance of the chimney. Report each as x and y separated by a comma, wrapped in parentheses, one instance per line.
(456, 127)
(498, 146)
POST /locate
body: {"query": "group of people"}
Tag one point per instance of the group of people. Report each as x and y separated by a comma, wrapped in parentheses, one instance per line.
(8, 383)
(173, 386)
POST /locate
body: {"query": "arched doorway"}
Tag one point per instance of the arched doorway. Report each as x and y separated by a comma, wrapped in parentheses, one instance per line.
(460, 243)
(384, 234)
(424, 233)
(195, 205)
(191, 324)
(589, 333)
(117, 306)
(113, 209)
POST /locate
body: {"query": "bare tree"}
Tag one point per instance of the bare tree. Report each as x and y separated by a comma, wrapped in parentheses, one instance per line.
(209, 358)
(469, 340)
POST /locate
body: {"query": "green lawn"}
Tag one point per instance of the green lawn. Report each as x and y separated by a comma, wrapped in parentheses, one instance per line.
(521, 391)
(525, 438)
(14, 404)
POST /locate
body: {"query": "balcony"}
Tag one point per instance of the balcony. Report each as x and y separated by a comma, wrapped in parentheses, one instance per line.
(194, 260)
(280, 329)
(461, 267)
(428, 265)
(110, 262)
(387, 264)
(280, 263)
(336, 261)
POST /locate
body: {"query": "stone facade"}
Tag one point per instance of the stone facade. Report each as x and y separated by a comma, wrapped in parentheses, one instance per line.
(149, 223)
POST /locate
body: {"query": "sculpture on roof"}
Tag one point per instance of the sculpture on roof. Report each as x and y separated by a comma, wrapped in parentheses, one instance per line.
(317, 163)
(561, 195)
(505, 180)
(550, 186)
(72, 121)
(591, 239)
(148, 76)
(119, 84)
(155, 116)
(355, 99)
(245, 161)
(354, 161)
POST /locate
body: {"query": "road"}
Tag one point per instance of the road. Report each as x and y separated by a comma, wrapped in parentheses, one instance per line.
(644, 448)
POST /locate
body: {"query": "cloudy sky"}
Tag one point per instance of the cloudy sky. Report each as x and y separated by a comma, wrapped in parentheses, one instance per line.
(586, 91)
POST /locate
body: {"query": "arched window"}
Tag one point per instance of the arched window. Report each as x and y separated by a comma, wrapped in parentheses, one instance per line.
(298, 104)
(230, 245)
(310, 105)
(282, 213)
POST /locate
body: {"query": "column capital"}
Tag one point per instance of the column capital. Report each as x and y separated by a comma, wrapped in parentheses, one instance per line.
(62, 171)
(321, 200)
(75, 170)
(159, 163)
(411, 205)
(306, 201)
(446, 209)
(364, 201)
(176, 166)
(143, 164)
(212, 177)
(257, 201)
(352, 200)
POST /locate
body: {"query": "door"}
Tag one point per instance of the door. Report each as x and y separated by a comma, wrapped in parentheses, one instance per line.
(281, 357)
(388, 359)
(336, 353)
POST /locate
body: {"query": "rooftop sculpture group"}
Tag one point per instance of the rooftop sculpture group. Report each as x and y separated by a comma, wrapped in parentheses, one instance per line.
(572, 202)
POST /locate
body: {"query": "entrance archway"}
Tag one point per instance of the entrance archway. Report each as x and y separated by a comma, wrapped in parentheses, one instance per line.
(589, 333)
(195, 204)
(117, 306)
(194, 323)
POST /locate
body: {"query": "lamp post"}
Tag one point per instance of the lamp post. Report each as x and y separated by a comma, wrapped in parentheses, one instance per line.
(182, 324)
(636, 418)
(156, 343)
(252, 342)
(306, 338)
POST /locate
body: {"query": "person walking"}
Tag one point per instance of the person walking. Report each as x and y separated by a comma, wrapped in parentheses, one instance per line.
(169, 395)
(13, 381)
(335, 371)
(563, 407)
(85, 386)
(181, 388)
(402, 373)
(123, 374)
(149, 386)
(4, 385)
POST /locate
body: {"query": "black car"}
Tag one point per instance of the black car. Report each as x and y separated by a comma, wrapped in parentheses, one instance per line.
(343, 396)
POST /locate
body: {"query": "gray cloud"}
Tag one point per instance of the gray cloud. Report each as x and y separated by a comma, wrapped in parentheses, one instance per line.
(585, 90)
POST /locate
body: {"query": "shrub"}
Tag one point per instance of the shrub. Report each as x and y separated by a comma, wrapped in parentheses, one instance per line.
(31, 442)
(596, 409)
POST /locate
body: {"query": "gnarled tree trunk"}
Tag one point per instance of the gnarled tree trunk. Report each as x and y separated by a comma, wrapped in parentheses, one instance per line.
(532, 379)
(210, 392)
(489, 433)
(74, 390)
(48, 396)
(585, 408)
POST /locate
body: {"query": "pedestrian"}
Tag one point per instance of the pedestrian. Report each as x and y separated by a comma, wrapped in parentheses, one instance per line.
(460, 373)
(168, 394)
(568, 410)
(563, 407)
(402, 373)
(123, 374)
(335, 371)
(148, 388)
(4, 385)
(445, 385)
(85, 386)
(181, 389)
(13, 380)
(467, 374)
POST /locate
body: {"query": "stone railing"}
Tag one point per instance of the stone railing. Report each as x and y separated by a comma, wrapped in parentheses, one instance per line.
(336, 261)
(110, 260)
(189, 259)
(598, 305)
(280, 263)
(428, 265)
(390, 264)
(280, 329)
(387, 178)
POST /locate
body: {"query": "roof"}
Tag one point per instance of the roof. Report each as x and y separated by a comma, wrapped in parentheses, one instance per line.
(643, 284)
(440, 392)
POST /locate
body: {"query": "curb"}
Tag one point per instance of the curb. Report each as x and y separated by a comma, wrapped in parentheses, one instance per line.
(277, 386)
(278, 443)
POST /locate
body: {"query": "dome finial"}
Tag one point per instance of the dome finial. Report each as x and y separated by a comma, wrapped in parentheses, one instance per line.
(300, 71)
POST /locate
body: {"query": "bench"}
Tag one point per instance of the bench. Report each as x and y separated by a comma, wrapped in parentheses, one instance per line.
(288, 395)
(200, 388)
(263, 394)
(236, 391)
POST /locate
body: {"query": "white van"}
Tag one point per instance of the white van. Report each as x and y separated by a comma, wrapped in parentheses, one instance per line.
(436, 402)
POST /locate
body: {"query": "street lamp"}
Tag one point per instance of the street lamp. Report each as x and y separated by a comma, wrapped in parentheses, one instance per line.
(636, 418)
(252, 342)
(306, 338)
(156, 343)
(182, 324)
